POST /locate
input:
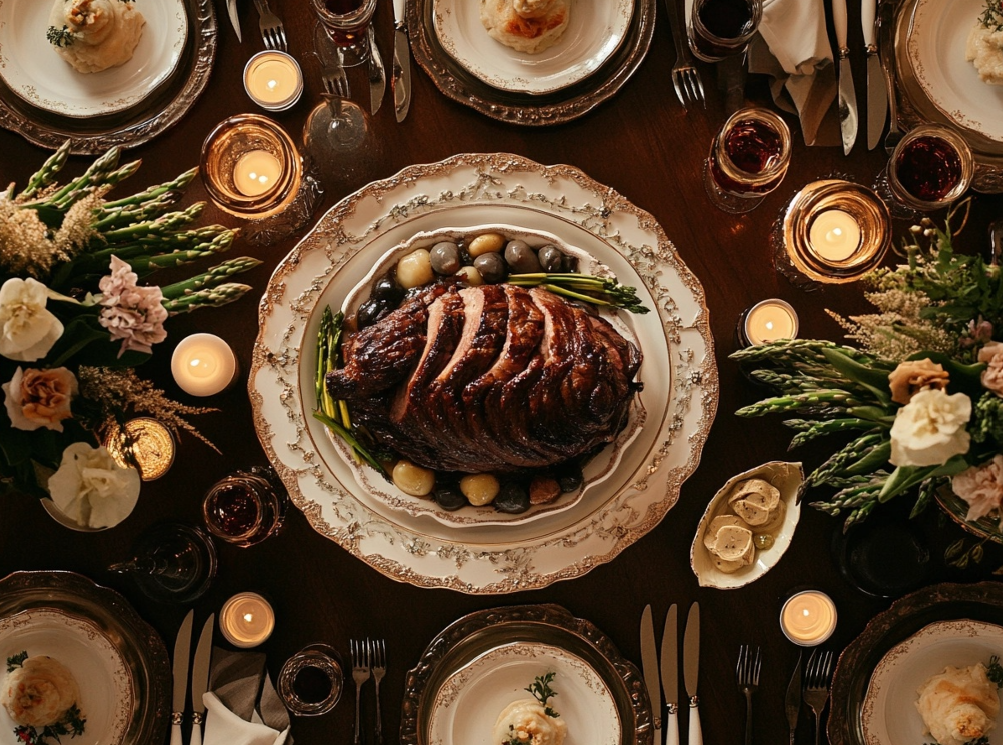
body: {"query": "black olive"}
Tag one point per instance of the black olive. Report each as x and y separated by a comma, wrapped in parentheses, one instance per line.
(551, 258)
(369, 311)
(491, 267)
(569, 264)
(386, 288)
(570, 478)
(521, 257)
(449, 497)
(445, 258)
(512, 499)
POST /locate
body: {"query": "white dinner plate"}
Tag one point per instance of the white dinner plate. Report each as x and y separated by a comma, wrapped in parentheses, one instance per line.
(889, 715)
(468, 703)
(33, 70)
(595, 30)
(936, 46)
(107, 695)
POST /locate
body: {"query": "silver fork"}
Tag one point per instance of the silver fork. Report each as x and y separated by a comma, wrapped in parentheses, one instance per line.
(273, 31)
(360, 674)
(379, 670)
(685, 77)
(886, 43)
(816, 689)
(747, 672)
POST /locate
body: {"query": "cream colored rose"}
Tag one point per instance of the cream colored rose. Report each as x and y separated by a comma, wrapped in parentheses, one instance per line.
(981, 487)
(27, 329)
(930, 429)
(40, 398)
(92, 489)
(912, 376)
(992, 376)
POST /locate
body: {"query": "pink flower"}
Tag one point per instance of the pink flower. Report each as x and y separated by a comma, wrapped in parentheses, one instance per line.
(40, 398)
(981, 487)
(131, 313)
(992, 376)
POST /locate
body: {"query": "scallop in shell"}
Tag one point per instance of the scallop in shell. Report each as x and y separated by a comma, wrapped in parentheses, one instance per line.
(710, 569)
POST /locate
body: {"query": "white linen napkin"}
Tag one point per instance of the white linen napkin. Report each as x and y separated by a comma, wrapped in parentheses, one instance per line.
(242, 707)
(792, 47)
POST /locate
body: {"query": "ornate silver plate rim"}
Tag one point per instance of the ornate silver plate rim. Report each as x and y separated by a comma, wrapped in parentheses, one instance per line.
(139, 124)
(481, 632)
(493, 559)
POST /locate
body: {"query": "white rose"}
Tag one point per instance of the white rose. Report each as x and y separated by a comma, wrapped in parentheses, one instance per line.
(92, 489)
(930, 429)
(27, 329)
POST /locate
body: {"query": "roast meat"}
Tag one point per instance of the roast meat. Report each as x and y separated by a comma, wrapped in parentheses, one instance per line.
(495, 378)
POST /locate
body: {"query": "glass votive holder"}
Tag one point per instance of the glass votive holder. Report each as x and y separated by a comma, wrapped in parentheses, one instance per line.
(748, 159)
(246, 620)
(311, 681)
(273, 80)
(204, 365)
(832, 231)
(767, 321)
(246, 507)
(144, 442)
(808, 618)
(250, 167)
(931, 167)
(721, 28)
(346, 22)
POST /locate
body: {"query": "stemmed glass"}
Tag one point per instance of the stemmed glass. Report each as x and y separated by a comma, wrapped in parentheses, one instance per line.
(931, 167)
(345, 22)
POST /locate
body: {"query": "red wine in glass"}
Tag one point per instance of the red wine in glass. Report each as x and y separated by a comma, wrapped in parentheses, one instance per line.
(245, 508)
(723, 27)
(752, 147)
(929, 168)
(346, 34)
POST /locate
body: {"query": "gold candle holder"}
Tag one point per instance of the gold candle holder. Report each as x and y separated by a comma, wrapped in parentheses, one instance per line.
(251, 167)
(833, 231)
(150, 444)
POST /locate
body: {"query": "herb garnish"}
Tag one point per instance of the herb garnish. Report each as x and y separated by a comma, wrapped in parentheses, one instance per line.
(71, 724)
(542, 691)
(994, 671)
(62, 37)
(992, 16)
(16, 661)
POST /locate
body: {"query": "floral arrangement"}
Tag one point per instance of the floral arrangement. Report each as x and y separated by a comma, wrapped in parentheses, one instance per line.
(921, 392)
(75, 321)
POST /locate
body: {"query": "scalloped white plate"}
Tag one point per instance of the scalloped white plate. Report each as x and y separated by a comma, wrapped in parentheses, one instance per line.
(33, 70)
(596, 470)
(595, 31)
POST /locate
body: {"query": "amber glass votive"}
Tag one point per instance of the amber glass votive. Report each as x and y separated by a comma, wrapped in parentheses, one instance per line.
(250, 167)
(834, 231)
(273, 80)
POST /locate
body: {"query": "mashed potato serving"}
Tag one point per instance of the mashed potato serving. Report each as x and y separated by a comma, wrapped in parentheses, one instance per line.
(39, 692)
(526, 25)
(984, 47)
(959, 705)
(531, 721)
(93, 35)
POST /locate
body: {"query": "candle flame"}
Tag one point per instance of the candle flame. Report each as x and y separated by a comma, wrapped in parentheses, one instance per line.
(806, 612)
(272, 84)
(248, 617)
(769, 325)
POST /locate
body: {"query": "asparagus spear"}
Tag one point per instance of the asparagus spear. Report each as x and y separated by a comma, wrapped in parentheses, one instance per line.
(47, 173)
(584, 287)
(210, 297)
(213, 277)
(834, 398)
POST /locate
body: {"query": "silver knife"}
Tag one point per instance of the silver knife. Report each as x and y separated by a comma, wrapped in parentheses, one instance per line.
(401, 78)
(200, 678)
(847, 95)
(792, 701)
(670, 675)
(877, 97)
(649, 665)
(377, 75)
(231, 9)
(182, 646)
(691, 671)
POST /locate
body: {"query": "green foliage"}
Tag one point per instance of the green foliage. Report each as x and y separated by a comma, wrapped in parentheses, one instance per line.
(72, 724)
(60, 37)
(992, 15)
(994, 671)
(987, 425)
(542, 692)
(16, 660)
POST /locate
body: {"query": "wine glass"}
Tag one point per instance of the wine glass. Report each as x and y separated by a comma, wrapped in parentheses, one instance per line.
(246, 507)
(345, 22)
(722, 28)
(171, 562)
(930, 168)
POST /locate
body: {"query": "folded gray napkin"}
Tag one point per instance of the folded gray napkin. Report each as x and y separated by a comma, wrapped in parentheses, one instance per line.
(242, 705)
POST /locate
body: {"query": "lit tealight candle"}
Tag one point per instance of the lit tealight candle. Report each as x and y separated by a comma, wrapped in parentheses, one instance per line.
(808, 618)
(152, 447)
(203, 365)
(834, 235)
(246, 620)
(256, 172)
(768, 321)
(273, 80)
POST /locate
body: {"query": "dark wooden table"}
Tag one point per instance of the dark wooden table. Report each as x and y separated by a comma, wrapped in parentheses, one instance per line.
(644, 145)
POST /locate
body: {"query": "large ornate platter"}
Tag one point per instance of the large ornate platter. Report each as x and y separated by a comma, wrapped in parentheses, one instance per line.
(107, 698)
(935, 44)
(31, 68)
(504, 95)
(889, 713)
(971, 603)
(161, 109)
(595, 31)
(915, 107)
(120, 663)
(476, 666)
(463, 191)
